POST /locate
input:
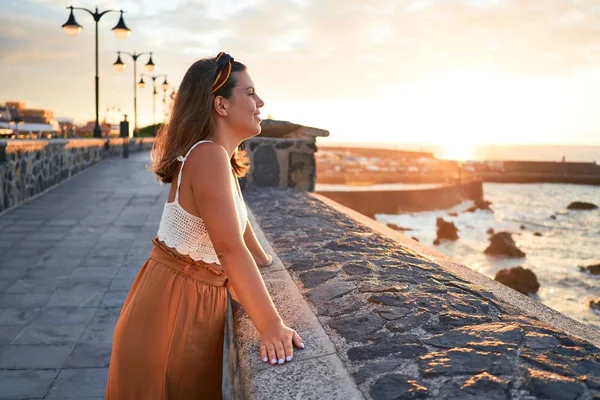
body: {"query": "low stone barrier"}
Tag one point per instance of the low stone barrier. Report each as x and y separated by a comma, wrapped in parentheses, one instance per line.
(29, 167)
(384, 317)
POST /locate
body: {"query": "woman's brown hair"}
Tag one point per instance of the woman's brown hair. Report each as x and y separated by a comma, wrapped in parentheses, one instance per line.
(191, 120)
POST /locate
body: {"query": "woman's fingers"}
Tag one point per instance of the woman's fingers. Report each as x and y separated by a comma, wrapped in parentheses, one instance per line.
(281, 349)
(297, 340)
(263, 353)
(289, 349)
(271, 353)
(280, 352)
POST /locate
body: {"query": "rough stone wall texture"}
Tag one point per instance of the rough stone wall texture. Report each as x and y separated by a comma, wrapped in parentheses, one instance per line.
(28, 167)
(406, 327)
(288, 163)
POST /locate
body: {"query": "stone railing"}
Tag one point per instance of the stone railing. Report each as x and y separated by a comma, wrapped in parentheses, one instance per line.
(29, 167)
(384, 317)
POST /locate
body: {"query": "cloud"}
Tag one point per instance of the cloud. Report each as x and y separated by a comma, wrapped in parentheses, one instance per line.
(341, 48)
(304, 49)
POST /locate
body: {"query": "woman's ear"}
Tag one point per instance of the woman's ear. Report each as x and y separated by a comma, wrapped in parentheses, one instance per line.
(220, 106)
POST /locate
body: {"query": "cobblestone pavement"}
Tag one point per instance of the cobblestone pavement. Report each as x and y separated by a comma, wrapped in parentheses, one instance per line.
(68, 258)
(407, 328)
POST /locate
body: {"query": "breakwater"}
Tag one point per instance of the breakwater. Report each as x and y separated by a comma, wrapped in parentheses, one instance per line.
(371, 202)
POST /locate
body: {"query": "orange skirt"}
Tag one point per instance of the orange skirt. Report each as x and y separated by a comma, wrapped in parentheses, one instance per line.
(168, 340)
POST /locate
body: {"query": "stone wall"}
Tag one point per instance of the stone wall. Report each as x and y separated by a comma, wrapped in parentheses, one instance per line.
(281, 162)
(397, 320)
(28, 167)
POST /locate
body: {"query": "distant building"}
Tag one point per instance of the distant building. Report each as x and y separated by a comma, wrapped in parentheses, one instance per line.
(18, 122)
(38, 116)
(17, 105)
(6, 117)
(107, 129)
(67, 127)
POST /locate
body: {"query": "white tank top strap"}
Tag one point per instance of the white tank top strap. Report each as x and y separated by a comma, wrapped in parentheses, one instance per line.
(182, 159)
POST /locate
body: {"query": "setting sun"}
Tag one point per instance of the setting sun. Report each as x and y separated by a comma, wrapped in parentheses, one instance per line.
(467, 106)
(456, 151)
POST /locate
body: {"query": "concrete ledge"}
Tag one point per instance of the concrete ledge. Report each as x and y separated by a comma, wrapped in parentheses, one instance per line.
(315, 372)
(404, 321)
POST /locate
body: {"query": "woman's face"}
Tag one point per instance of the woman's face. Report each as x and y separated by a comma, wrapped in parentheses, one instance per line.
(243, 107)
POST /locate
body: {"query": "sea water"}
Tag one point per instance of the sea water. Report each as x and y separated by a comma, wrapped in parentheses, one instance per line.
(569, 240)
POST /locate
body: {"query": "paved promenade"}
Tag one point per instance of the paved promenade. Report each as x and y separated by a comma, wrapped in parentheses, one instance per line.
(68, 258)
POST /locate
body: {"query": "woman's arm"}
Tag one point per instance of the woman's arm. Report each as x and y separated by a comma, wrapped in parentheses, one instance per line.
(212, 187)
(258, 253)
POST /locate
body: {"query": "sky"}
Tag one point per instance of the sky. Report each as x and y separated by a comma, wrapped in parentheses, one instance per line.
(454, 72)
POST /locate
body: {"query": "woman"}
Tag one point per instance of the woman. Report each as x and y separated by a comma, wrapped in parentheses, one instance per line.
(169, 337)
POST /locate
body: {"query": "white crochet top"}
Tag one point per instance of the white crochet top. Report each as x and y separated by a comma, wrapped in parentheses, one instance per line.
(185, 232)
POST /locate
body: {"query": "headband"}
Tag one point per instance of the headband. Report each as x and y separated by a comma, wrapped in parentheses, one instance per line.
(224, 66)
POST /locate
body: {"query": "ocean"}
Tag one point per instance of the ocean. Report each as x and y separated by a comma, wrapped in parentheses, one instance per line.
(570, 240)
(579, 153)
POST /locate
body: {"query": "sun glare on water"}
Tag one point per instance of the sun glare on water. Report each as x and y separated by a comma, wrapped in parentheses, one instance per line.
(456, 151)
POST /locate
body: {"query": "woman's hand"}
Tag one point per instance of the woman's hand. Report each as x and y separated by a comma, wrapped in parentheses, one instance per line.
(276, 343)
(264, 262)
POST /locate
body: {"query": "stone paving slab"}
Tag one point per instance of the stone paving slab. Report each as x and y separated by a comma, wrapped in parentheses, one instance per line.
(67, 261)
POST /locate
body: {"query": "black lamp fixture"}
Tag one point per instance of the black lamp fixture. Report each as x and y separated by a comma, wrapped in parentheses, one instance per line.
(121, 31)
(165, 86)
(120, 66)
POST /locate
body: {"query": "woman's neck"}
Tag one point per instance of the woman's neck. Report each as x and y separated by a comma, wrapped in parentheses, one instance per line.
(226, 140)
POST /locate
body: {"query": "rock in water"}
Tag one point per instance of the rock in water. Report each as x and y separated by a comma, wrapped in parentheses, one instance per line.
(480, 205)
(446, 230)
(518, 278)
(592, 269)
(582, 205)
(537, 234)
(490, 231)
(397, 227)
(502, 243)
(483, 204)
(594, 304)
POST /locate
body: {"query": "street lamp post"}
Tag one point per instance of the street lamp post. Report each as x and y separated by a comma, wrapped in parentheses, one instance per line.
(165, 86)
(72, 28)
(120, 66)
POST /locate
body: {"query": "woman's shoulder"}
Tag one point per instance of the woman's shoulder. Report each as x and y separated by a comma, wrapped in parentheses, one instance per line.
(209, 161)
(207, 153)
